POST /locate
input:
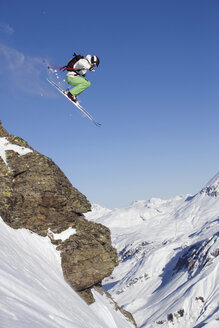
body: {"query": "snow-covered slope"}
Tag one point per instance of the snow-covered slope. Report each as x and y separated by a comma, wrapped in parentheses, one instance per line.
(33, 292)
(168, 250)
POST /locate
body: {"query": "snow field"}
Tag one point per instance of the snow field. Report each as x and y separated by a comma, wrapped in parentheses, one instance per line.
(33, 292)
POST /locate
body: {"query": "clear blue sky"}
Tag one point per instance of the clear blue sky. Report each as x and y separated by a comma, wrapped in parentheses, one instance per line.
(155, 92)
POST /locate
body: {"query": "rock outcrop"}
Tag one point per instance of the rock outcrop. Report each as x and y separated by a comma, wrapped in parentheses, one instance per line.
(36, 195)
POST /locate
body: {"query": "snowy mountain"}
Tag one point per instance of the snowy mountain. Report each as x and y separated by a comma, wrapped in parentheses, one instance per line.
(168, 252)
(167, 273)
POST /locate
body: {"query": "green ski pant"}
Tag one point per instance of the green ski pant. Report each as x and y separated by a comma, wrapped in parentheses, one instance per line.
(80, 84)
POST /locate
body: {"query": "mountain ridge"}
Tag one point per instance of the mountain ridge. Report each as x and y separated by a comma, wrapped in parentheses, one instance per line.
(168, 254)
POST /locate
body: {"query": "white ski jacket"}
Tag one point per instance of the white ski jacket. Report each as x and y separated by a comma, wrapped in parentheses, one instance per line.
(82, 63)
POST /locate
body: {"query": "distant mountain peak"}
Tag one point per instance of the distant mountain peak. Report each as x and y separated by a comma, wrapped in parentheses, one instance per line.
(212, 187)
(214, 180)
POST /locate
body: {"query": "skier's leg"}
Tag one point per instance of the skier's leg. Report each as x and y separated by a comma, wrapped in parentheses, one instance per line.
(80, 84)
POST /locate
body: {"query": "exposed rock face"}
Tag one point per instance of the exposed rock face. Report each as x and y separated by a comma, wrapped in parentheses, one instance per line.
(88, 256)
(197, 256)
(35, 194)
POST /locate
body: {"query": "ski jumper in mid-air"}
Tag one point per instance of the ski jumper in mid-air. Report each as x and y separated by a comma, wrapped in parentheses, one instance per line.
(77, 68)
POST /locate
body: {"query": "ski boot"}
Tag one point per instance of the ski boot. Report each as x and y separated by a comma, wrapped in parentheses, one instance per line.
(73, 98)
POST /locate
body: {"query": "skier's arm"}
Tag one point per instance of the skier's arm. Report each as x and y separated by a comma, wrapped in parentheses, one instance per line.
(83, 65)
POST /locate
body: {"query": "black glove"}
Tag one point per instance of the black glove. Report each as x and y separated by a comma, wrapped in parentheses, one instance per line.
(92, 69)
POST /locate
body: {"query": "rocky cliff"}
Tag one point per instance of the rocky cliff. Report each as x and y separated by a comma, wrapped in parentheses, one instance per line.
(36, 195)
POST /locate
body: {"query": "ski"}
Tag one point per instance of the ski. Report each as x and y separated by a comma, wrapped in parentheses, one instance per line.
(77, 104)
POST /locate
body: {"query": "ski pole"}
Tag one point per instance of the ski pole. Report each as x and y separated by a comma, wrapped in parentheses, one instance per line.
(54, 66)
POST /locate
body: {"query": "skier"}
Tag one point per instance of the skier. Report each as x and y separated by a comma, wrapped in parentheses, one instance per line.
(77, 68)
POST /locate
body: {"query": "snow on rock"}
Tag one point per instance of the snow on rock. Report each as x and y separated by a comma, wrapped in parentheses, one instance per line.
(6, 145)
(169, 263)
(63, 235)
(33, 292)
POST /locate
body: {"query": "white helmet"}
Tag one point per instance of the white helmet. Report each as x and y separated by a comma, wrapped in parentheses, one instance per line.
(93, 60)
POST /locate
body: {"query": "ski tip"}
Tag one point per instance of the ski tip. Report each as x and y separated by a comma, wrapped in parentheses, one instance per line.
(98, 124)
